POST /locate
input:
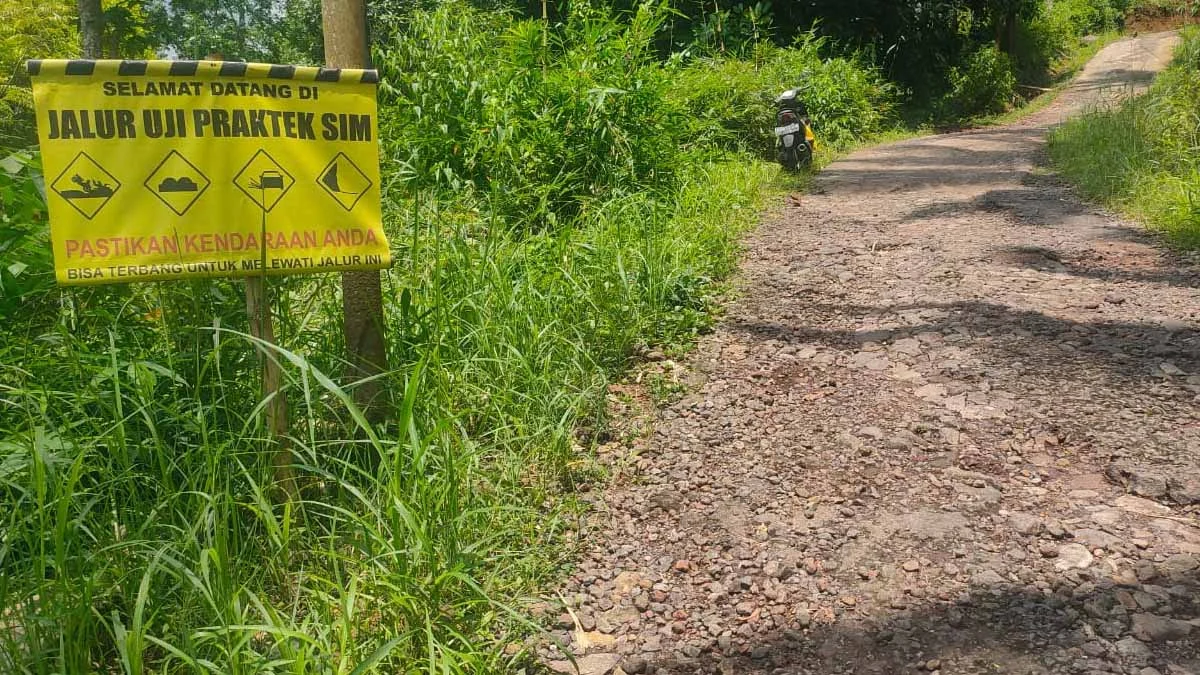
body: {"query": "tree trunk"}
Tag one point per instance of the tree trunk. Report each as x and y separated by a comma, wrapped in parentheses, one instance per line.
(345, 24)
(1006, 31)
(91, 28)
(1012, 32)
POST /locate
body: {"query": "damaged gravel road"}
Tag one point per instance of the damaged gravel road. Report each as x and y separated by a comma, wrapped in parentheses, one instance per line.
(950, 424)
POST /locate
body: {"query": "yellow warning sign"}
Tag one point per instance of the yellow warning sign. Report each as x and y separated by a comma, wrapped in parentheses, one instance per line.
(172, 169)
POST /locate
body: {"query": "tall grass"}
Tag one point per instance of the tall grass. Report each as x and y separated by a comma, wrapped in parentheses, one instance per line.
(139, 532)
(1143, 155)
(547, 220)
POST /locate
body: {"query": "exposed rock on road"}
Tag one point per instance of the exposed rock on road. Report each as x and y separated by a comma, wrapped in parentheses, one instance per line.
(952, 425)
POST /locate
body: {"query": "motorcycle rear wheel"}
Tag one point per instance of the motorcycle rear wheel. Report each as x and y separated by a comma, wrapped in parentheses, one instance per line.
(789, 159)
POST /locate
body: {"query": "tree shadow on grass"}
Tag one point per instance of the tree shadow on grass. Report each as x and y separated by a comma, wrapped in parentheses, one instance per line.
(1080, 622)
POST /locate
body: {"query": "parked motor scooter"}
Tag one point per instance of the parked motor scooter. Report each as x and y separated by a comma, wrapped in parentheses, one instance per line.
(793, 128)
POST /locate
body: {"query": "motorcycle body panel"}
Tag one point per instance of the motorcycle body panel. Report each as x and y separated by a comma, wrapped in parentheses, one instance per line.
(795, 145)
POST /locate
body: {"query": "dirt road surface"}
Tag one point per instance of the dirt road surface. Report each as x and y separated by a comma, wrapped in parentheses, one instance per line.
(950, 425)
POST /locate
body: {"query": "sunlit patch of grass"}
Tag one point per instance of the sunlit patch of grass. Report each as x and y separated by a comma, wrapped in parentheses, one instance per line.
(1143, 156)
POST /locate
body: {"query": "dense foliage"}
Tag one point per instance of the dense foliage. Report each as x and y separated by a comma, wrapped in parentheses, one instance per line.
(594, 115)
(935, 52)
(917, 44)
(29, 28)
(548, 220)
(273, 31)
(543, 124)
(729, 101)
(1144, 154)
(984, 83)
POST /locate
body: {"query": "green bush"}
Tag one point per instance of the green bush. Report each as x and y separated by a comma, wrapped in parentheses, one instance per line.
(730, 101)
(1083, 17)
(544, 121)
(16, 117)
(549, 120)
(32, 29)
(26, 274)
(727, 104)
(1041, 42)
(736, 31)
(849, 101)
(984, 85)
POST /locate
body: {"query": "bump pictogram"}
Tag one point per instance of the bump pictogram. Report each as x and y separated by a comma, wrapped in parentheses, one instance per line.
(177, 182)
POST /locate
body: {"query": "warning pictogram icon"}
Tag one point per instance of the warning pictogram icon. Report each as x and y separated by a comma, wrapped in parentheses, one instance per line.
(264, 181)
(177, 182)
(85, 185)
(344, 181)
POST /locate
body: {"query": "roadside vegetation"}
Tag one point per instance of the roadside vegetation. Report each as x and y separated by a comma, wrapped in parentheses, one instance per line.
(561, 196)
(1162, 14)
(1143, 155)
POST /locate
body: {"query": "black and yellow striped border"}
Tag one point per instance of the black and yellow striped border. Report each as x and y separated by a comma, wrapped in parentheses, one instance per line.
(199, 69)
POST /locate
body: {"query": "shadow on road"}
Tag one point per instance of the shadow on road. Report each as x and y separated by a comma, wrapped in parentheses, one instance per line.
(937, 161)
(1048, 347)
(1119, 81)
(1078, 621)
(1049, 260)
(1032, 205)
